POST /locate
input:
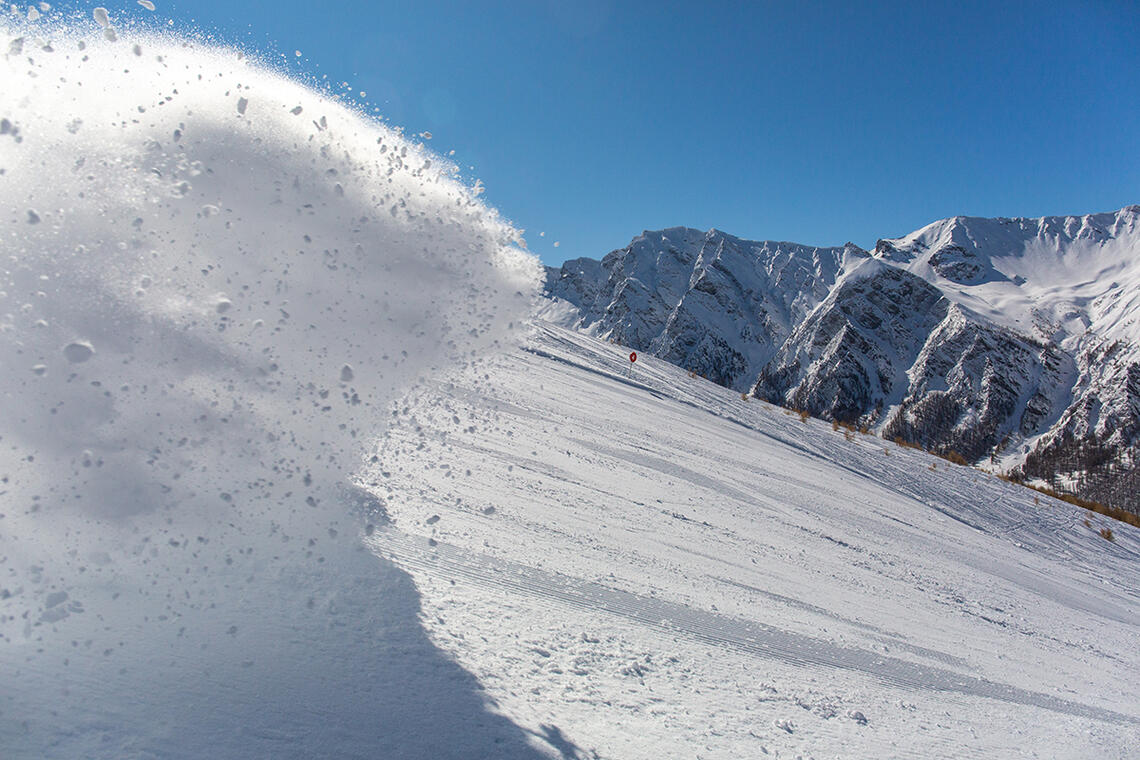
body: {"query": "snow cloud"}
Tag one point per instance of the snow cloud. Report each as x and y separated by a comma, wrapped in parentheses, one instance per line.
(214, 284)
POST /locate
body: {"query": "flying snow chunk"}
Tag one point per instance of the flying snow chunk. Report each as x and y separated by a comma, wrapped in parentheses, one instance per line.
(78, 351)
(101, 17)
(55, 599)
(346, 373)
(242, 104)
(147, 4)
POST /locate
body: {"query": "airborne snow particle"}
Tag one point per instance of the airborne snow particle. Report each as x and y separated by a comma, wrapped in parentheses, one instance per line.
(101, 18)
(147, 4)
(346, 373)
(78, 351)
(297, 111)
(556, 243)
(55, 598)
(241, 105)
(33, 217)
(109, 35)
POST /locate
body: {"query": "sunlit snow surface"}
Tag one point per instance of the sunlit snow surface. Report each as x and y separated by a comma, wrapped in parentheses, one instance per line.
(661, 568)
(214, 281)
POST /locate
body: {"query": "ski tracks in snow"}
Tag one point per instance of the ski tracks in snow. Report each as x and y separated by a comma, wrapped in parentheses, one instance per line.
(416, 554)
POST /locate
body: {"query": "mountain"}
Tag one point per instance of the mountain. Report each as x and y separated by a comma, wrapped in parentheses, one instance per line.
(715, 304)
(1015, 341)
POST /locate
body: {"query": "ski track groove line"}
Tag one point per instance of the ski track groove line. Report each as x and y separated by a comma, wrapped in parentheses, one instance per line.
(711, 628)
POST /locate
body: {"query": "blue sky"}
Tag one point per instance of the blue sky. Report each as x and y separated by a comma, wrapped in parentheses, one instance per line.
(816, 122)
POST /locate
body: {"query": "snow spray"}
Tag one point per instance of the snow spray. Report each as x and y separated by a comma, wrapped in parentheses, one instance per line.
(214, 283)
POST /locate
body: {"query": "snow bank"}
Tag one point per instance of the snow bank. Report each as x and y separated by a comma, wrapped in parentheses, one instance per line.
(214, 284)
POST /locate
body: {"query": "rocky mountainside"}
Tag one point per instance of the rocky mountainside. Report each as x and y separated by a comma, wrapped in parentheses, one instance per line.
(706, 301)
(1015, 341)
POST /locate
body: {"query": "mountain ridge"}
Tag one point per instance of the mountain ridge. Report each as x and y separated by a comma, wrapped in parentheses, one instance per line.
(1009, 340)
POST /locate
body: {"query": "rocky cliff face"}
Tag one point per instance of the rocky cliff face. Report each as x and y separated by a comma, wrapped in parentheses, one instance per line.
(848, 359)
(1010, 340)
(710, 302)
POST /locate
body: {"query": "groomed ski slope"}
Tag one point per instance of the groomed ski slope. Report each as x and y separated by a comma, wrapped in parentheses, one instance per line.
(650, 566)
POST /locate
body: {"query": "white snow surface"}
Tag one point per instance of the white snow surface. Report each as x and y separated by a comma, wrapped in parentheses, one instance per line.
(658, 567)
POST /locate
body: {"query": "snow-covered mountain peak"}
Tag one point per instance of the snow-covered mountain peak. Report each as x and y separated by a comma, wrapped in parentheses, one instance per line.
(1054, 277)
(1003, 237)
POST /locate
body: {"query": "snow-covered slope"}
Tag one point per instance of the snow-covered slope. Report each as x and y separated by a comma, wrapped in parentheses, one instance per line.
(642, 564)
(1015, 340)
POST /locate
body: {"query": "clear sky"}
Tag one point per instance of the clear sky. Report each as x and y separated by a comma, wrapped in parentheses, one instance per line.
(816, 122)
